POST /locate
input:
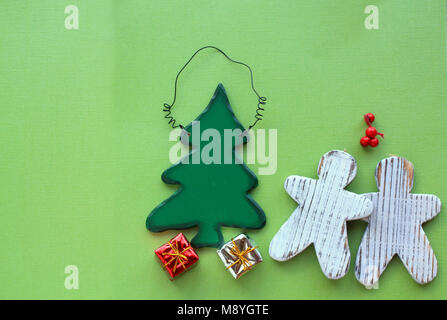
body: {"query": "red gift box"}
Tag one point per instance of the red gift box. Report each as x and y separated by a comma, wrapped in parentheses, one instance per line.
(177, 255)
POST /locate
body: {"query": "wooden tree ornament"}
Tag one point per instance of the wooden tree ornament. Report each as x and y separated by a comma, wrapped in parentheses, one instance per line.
(395, 226)
(324, 207)
(213, 193)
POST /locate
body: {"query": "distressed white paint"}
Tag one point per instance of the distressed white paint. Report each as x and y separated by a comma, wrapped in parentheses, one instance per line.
(324, 207)
(395, 226)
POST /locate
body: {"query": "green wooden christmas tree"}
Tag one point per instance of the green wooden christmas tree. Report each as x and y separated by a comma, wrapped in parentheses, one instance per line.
(213, 180)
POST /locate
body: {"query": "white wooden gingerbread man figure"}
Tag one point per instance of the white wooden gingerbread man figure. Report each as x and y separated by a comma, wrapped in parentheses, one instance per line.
(395, 226)
(324, 207)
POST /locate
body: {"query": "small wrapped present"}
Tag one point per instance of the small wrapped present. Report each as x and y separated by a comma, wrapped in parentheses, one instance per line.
(177, 255)
(239, 255)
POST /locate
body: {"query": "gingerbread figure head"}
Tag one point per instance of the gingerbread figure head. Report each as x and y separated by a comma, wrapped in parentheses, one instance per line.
(396, 168)
(338, 167)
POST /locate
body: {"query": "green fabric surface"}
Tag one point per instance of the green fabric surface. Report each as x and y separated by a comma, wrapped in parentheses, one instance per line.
(83, 141)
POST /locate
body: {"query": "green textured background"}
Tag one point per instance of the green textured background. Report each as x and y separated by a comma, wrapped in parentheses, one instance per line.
(83, 143)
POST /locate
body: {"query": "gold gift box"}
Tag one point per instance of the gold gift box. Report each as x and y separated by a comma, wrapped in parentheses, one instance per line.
(239, 255)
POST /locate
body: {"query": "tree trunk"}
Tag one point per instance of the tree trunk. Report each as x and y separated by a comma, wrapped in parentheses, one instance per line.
(208, 236)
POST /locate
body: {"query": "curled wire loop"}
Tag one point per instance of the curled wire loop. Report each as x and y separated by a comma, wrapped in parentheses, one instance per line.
(167, 108)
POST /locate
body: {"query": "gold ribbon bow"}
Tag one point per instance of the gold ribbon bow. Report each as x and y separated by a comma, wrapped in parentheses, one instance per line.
(241, 259)
(177, 256)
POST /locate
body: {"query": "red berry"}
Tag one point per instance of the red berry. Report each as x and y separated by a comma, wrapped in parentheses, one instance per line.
(371, 132)
(374, 142)
(371, 117)
(365, 141)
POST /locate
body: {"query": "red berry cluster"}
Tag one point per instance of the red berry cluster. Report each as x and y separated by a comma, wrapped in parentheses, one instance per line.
(371, 132)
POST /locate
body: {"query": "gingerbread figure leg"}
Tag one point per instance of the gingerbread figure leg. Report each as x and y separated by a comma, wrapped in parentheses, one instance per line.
(371, 260)
(289, 240)
(334, 256)
(419, 259)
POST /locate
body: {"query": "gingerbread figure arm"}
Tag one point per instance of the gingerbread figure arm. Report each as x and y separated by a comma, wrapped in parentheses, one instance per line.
(360, 207)
(298, 187)
(427, 206)
(374, 197)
